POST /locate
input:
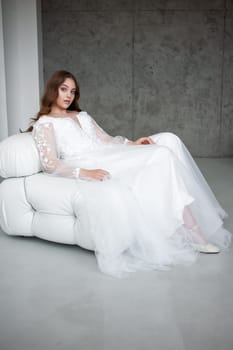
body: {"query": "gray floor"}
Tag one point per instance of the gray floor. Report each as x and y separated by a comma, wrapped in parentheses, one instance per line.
(53, 296)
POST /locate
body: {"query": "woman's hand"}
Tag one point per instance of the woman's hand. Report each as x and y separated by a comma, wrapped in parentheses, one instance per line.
(95, 174)
(142, 141)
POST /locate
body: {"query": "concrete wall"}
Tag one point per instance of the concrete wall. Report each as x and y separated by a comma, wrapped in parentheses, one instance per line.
(147, 66)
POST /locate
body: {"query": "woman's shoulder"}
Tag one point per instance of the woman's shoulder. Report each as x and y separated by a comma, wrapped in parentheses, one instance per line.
(45, 119)
(77, 113)
(44, 122)
(83, 115)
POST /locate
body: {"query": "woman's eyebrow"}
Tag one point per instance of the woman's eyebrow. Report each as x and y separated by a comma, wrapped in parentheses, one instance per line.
(67, 86)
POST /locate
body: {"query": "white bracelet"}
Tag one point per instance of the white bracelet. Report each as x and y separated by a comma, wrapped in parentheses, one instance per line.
(76, 172)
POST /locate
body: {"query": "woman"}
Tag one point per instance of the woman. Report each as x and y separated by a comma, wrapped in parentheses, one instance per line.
(144, 202)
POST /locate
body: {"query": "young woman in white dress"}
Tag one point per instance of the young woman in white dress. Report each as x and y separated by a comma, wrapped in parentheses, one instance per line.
(145, 203)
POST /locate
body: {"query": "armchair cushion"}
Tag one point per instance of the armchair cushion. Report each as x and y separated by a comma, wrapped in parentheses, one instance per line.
(19, 156)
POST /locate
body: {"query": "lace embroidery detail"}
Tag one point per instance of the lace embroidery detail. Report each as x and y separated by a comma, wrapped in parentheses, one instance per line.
(62, 140)
(44, 137)
(43, 145)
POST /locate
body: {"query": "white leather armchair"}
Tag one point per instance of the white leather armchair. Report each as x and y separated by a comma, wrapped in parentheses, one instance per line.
(33, 203)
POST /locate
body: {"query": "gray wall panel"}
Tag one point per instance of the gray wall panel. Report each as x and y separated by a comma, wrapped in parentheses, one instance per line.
(178, 60)
(88, 5)
(227, 110)
(148, 66)
(180, 4)
(97, 49)
(229, 4)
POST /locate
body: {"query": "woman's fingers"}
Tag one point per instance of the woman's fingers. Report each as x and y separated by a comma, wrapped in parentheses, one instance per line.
(146, 141)
(101, 174)
(142, 141)
(95, 174)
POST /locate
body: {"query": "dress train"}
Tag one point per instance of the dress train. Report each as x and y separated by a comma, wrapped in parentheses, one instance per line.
(136, 218)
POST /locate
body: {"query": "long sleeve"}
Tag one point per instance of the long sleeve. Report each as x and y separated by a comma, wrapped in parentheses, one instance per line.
(44, 137)
(104, 137)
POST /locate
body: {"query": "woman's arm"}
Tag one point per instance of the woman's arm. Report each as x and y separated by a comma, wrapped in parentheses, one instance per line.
(44, 137)
(103, 136)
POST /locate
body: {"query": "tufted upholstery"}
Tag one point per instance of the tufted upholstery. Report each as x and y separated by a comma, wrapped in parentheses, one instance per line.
(43, 206)
(34, 203)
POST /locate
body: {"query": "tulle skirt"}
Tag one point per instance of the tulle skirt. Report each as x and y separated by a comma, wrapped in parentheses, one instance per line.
(135, 218)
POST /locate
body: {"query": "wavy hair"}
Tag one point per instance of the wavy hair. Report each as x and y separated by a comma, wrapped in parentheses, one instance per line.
(51, 93)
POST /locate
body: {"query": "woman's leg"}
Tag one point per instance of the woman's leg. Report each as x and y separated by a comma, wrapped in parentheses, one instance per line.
(175, 144)
(191, 224)
(197, 235)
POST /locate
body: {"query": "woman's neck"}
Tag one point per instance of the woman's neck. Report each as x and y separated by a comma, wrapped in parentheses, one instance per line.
(58, 112)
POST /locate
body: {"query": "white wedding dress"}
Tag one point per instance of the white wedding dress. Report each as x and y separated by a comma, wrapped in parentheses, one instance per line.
(135, 218)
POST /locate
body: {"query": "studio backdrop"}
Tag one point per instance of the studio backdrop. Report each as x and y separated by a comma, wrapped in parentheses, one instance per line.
(147, 66)
(144, 66)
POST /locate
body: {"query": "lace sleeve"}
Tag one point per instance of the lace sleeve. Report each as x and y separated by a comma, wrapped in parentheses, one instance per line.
(103, 136)
(44, 137)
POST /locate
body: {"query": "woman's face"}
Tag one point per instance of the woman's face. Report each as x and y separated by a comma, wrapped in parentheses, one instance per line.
(66, 94)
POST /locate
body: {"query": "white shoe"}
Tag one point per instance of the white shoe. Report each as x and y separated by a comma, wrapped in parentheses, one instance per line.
(207, 248)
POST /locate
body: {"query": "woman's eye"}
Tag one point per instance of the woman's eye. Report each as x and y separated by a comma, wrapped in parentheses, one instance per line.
(73, 92)
(63, 89)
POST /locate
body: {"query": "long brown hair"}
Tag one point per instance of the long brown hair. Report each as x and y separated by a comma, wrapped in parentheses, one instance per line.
(51, 93)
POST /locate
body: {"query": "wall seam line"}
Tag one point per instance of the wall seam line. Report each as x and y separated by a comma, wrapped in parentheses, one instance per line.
(133, 76)
(222, 79)
(131, 11)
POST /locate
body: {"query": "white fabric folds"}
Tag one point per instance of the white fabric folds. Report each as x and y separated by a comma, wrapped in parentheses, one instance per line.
(135, 218)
